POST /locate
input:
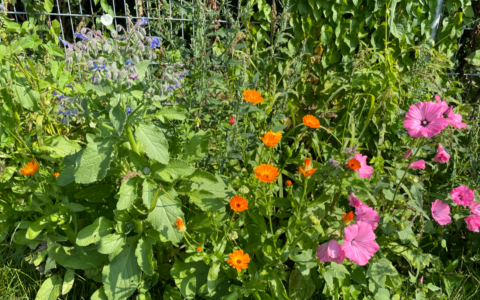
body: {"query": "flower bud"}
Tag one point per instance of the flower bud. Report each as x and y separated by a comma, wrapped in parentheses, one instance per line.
(243, 190)
(123, 74)
(109, 75)
(233, 236)
(136, 59)
(141, 46)
(114, 34)
(106, 47)
(146, 170)
(115, 76)
(94, 42)
(78, 56)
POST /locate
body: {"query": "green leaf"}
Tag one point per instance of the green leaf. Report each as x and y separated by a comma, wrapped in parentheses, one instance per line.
(149, 188)
(299, 287)
(184, 279)
(206, 200)
(60, 145)
(48, 5)
(99, 295)
(175, 169)
(156, 145)
(144, 254)
(379, 271)
(171, 293)
(80, 258)
(276, 285)
(212, 278)
(103, 88)
(200, 176)
(382, 294)
(96, 193)
(111, 243)
(68, 281)
(165, 214)
(93, 233)
(53, 49)
(474, 58)
(142, 68)
(36, 227)
(128, 193)
(25, 95)
(93, 162)
(50, 289)
(122, 276)
(197, 147)
(176, 112)
(118, 117)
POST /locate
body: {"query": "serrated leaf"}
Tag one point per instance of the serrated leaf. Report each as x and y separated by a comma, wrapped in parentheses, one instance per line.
(128, 193)
(68, 281)
(176, 112)
(93, 162)
(50, 289)
(118, 117)
(93, 233)
(142, 68)
(144, 254)
(200, 176)
(111, 243)
(197, 147)
(164, 215)
(96, 193)
(156, 145)
(206, 200)
(122, 276)
(149, 188)
(299, 287)
(60, 145)
(175, 169)
(379, 271)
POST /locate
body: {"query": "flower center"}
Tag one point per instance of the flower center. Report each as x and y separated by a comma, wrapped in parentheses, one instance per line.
(238, 204)
(239, 261)
(424, 123)
(460, 197)
(354, 242)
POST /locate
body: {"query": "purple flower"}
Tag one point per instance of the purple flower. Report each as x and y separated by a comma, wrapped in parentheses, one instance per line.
(65, 42)
(81, 36)
(143, 21)
(128, 63)
(97, 67)
(155, 42)
(129, 111)
(182, 74)
(59, 96)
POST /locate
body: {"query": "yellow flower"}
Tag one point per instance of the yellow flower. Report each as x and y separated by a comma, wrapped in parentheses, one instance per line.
(266, 173)
(238, 203)
(30, 168)
(252, 96)
(271, 139)
(309, 170)
(311, 121)
(238, 260)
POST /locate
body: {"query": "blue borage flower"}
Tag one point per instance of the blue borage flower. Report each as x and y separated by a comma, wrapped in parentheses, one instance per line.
(155, 42)
(129, 111)
(59, 96)
(182, 74)
(143, 21)
(65, 42)
(66, 113)
(128, 63)
(2, 8)
(170, 86)
(81, 36)
(97, 67)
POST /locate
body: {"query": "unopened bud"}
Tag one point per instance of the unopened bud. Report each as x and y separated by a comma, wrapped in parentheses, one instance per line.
(315, 220)
(233, 236)
(78, 56)
(146, 170)
(243, 190)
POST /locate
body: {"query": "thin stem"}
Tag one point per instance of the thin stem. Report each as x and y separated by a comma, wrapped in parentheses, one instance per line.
(132, 139)
(269, 210)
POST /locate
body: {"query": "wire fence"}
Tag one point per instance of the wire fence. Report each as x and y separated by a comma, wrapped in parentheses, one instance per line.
(76, 13)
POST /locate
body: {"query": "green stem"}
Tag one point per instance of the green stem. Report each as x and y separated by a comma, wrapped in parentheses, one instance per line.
(269, 210)
(132, 139)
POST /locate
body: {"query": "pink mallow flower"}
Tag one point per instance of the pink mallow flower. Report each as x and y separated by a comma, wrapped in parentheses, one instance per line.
(364, 171)
(232, 120)
(368, 215)
(443, 104)
(425, 119)
(359, 245)
(419, 164)
(462, 195)
(354, 201)
(473, 223)
(330, 251)
(454, 119)
(441, 212)
(442, 155)
(475, 208)
(407, 154)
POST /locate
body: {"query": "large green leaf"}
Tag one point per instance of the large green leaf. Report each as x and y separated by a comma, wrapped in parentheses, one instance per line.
(128, 193)
(149, 188)
(93, 233)
(176, 112)
(300, 287)
(122, 276)
(99, 294)
(81, 258)
(144, 254)
(206, 200)
(175, 169)
(68, 281)
(111, 243)
(60, 145)
(164, 215)
(156, 145)
(93, 162)
(197, 147)
(36, 227)
(474, 58)
(184, 279)
(25, 95)
(96, 193)
(50, 289)
(118, 117)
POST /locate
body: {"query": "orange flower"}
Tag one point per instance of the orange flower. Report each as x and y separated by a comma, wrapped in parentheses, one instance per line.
(56, 174)
(238, 260)
(347, 217)
(180, 225)
(266, 173)
(288, 183)
(309, 170)
(238, 203)
(354, 164)
(252, 96)
(311, 121)
(199, 248)
(30, 168)
(271, 138)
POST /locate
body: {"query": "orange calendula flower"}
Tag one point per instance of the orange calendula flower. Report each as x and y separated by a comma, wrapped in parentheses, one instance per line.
(309, 170)
(30, 168)
(199, 248)
(271, 139)
(266, 173)
(238, 203)
(311, 121)
(56, 174)
(180, 225)
(288, 182)
(347, 218)
(252, 96)
(238, 260)
(354, 164)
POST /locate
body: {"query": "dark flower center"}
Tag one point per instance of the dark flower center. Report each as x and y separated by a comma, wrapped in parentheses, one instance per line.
(424, 123)
(354, 242)
(239, 261)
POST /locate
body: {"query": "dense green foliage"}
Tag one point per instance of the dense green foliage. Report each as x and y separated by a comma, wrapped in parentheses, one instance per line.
(141, 142)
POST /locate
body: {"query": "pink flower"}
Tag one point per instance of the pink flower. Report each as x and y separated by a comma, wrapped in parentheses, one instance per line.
(421, 279)
(425, 119)
(364, 171)
(368, 215)
(473, 222)
(443, 104)
(359, 245)
(475, 208)
(419, 164)
(330, 251)
(407, 154)
(442, 155)
(354, 201)
(462, 195)
(440, 212)
(455, 119)
(232, 120)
